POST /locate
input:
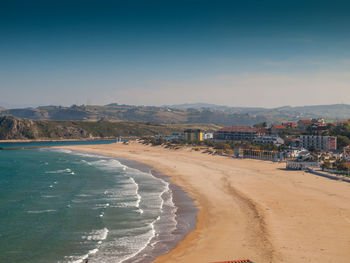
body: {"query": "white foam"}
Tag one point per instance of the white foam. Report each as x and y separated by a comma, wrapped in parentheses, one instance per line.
(83, 195)
(61, 150)
(48, 196)
(138, 201)
(108, 164)
(59, 171)
(97, 235)
(81, 259)
(83, 154)
(151, 234)
(41, 211)
(169, 202)
(86, 162)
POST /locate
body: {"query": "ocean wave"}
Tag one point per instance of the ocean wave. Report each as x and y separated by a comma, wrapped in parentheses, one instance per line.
(67, 170)
(90, 155)
(48, 196)
(83, 154)
(81, 258)
(147, 236)
(106, 164)
(138, 201)
(57, 150)
(41, 211)
(169, 201)
(97, 235)
(83, 195)
(86, 162)
(128, 196)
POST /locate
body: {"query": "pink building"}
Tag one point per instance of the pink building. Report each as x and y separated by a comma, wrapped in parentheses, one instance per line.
(325, 143)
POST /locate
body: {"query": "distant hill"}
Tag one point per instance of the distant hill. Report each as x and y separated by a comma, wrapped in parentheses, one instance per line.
(19, 128)
(197, 106)
(184, 113)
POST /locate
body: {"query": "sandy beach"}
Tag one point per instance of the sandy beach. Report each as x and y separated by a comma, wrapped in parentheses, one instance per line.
(250, 209)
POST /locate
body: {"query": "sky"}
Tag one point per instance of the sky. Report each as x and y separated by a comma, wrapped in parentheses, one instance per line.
(234, 53)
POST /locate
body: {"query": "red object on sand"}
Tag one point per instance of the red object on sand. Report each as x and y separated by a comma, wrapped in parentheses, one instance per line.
(236, 261)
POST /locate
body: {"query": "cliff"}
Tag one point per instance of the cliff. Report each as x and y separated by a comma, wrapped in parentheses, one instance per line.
(19, 128)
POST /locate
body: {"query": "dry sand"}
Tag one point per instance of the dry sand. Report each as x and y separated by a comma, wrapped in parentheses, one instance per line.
(250, 209)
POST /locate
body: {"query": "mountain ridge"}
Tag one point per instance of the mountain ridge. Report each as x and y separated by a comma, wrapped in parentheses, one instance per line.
(182, 113)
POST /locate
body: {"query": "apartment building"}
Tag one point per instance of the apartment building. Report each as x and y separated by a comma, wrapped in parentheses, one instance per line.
(320, 142)
(238, 133)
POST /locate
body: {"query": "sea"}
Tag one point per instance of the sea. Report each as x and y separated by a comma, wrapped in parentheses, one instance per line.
(64, 206)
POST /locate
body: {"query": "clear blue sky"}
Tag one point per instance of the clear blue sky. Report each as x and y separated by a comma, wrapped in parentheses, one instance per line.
(236, 53)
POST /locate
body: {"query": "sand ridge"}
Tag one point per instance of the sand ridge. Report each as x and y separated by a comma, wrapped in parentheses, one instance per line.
(249, 208)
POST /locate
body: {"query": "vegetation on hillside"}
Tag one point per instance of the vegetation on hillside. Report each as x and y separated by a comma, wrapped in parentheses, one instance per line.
(17, 128)
(201, 113)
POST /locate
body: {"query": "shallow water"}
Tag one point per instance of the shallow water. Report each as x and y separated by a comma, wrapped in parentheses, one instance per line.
(63, 206)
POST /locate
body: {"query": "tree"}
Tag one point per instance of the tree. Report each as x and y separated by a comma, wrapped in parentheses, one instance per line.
(342, 141)
(261, 125)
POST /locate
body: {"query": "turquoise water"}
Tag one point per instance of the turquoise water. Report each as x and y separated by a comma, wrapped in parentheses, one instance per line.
(53, 143)
(64, 206)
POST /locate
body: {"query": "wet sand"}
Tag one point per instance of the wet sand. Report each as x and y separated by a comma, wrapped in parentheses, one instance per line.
(250, 209)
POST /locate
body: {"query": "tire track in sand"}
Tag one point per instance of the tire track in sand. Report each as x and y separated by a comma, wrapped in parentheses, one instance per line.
(256, 226)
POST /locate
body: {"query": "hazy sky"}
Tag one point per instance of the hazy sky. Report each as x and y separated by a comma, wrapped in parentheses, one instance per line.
(236, 53)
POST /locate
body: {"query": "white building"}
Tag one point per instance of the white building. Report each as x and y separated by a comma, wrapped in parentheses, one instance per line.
(208, 136)
(269, 139)
(296, 153)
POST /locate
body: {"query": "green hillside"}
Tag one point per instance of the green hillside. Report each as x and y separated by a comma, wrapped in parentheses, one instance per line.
(185, 113)
(18, 128)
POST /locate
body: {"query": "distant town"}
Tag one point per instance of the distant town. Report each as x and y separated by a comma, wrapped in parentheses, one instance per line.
(304, 144)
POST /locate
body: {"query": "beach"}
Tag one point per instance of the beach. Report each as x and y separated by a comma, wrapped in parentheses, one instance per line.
(249, 209)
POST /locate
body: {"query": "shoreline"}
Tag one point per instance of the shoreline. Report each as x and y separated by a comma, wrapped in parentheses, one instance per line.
(185, 213)
(185, 210)
(249, 209)
(57, 140)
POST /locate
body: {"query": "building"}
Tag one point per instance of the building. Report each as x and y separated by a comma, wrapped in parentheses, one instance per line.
(304, 124)
(269, 139)
(341, 123)
(277, 129)
(208, 136)
(346, 154)
(296, 153)
(290, 125)
(319, 126)
(238, 133)
(193, 135)
(319, 122)
(326, 143)
(174, 136)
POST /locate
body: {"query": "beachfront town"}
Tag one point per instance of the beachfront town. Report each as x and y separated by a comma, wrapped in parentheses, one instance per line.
(306, 144)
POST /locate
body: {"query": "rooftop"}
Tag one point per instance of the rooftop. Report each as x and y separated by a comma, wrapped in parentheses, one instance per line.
(241, 129)
(306, 121)
(278, 127)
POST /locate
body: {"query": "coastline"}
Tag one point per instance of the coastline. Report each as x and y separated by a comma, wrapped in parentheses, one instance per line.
(57, 140)
(185, 215)
(249, 209)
